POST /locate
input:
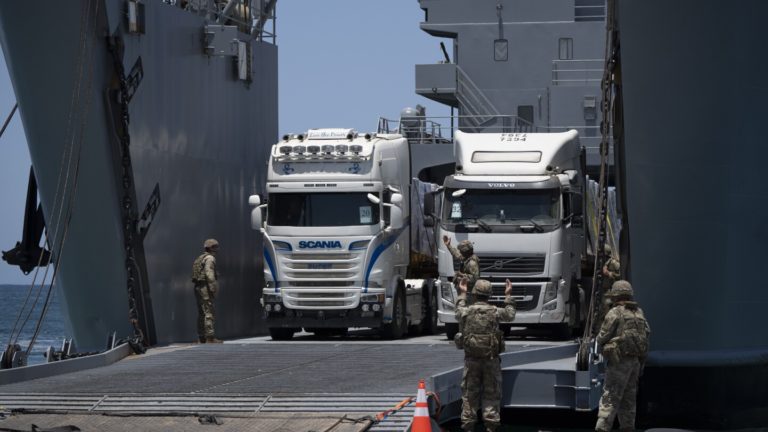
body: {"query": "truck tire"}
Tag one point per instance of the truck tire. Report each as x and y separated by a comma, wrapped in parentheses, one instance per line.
(397, 327)
(451, 329)
(280, 333)
(430, 316)
(562, 331)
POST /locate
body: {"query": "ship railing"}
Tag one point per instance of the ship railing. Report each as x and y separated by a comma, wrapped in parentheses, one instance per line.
(589, 10)
(577, 72)
(441, 129)
(255, 18)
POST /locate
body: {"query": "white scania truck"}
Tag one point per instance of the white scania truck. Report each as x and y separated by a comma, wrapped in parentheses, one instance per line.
(518, 197)
(338, 245)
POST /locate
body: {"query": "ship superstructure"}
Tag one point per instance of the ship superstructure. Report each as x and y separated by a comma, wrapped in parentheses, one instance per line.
(148, 124)
(519, 66)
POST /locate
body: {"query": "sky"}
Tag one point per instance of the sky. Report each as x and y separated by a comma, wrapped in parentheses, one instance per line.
(342, 63)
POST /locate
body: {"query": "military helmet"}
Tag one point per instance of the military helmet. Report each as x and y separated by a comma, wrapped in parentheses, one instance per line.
(211, 243)
(465, 247)
(621, 289)
(482, 288)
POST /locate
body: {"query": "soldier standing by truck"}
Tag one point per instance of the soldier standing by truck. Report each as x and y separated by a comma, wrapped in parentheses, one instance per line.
(470, 264)
(205, 278)
(611, 273)
(482, 341)
(623, 339)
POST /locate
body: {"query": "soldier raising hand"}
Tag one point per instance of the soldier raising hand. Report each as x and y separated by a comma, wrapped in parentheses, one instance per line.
(482, 341)
(470, 264)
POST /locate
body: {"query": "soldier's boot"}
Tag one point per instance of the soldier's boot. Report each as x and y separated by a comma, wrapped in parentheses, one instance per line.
(212, 340)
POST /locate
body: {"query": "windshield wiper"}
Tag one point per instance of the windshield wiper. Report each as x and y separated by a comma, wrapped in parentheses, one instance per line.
(536, 226)
(484, 225)
(481, 224)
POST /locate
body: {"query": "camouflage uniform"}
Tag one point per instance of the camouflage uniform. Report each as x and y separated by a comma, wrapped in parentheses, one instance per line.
(481, 380)
(613, 267)
(624, 324)
(205, 278)
(470, 264)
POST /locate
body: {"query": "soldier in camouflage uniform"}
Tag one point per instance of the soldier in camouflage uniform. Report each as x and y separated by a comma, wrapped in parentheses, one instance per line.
(482, 341)
(205, 278)
(470, 264)
(611, 273)
(623, 339)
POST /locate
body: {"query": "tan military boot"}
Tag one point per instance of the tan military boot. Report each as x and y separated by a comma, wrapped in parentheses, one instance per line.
(212, 340)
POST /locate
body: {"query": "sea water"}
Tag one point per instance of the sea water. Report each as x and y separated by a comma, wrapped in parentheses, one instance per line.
(52, 330)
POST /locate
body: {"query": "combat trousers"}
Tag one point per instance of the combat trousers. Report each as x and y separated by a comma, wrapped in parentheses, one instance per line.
(481, 388)
(619, 395)
(205, 311)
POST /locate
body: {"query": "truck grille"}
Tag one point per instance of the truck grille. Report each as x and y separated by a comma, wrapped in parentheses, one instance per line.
(321, 280)
(513, 264)
(531, 292)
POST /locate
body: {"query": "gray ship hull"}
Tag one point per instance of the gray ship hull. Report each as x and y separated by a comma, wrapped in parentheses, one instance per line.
(693, 93)
(197, 132)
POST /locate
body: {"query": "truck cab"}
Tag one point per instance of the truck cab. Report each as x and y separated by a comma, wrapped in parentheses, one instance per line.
(337, 235)
(518, 197)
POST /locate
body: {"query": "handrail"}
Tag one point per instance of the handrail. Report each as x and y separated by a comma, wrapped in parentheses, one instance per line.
(250, 16)
(586, 71)
(430, 129)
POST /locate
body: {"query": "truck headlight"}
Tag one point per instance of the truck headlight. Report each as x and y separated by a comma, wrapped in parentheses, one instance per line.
(281, 246)
(358, 245)
(272, 298)
(372, 298)
(446, 291)
(551, 292)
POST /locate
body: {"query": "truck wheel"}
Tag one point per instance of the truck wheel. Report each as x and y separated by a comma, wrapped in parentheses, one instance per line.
(451, 329)
(562, 331)
(430, 315)
(396, 328)
(281, 333)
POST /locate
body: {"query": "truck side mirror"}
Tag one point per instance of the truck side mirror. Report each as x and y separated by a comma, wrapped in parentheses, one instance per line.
(429, 221)
(395, 216)
(578, 221)
(256, 218)
(254, 200)
(429, 206)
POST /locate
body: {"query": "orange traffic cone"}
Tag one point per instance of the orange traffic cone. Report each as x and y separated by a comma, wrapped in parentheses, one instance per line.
(421, 421)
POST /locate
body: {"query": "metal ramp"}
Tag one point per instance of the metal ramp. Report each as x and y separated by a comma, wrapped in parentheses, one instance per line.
(536, 377)
(350, 405)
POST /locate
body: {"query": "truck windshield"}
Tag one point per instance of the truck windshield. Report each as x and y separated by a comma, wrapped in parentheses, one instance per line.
(508, 207)
(321, 209)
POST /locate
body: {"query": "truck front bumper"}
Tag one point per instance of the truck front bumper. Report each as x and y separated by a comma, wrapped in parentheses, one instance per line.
(334, 318)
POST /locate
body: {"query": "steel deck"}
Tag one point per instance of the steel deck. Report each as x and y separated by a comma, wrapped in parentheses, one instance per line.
(357, 376)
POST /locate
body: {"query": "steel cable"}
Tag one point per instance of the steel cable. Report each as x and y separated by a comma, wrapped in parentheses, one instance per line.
(67, 153)
(8, 120)
(75, 182)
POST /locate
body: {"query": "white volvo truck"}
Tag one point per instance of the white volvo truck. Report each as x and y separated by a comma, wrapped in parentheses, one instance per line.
(338, 245)
(518, 197)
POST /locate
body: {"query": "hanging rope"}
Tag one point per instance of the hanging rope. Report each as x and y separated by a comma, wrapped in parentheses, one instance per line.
(8, 120)
(65, 193)
(607, 85)
(79, 136)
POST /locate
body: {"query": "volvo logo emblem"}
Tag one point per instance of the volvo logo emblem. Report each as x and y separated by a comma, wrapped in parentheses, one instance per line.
(499, 264)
